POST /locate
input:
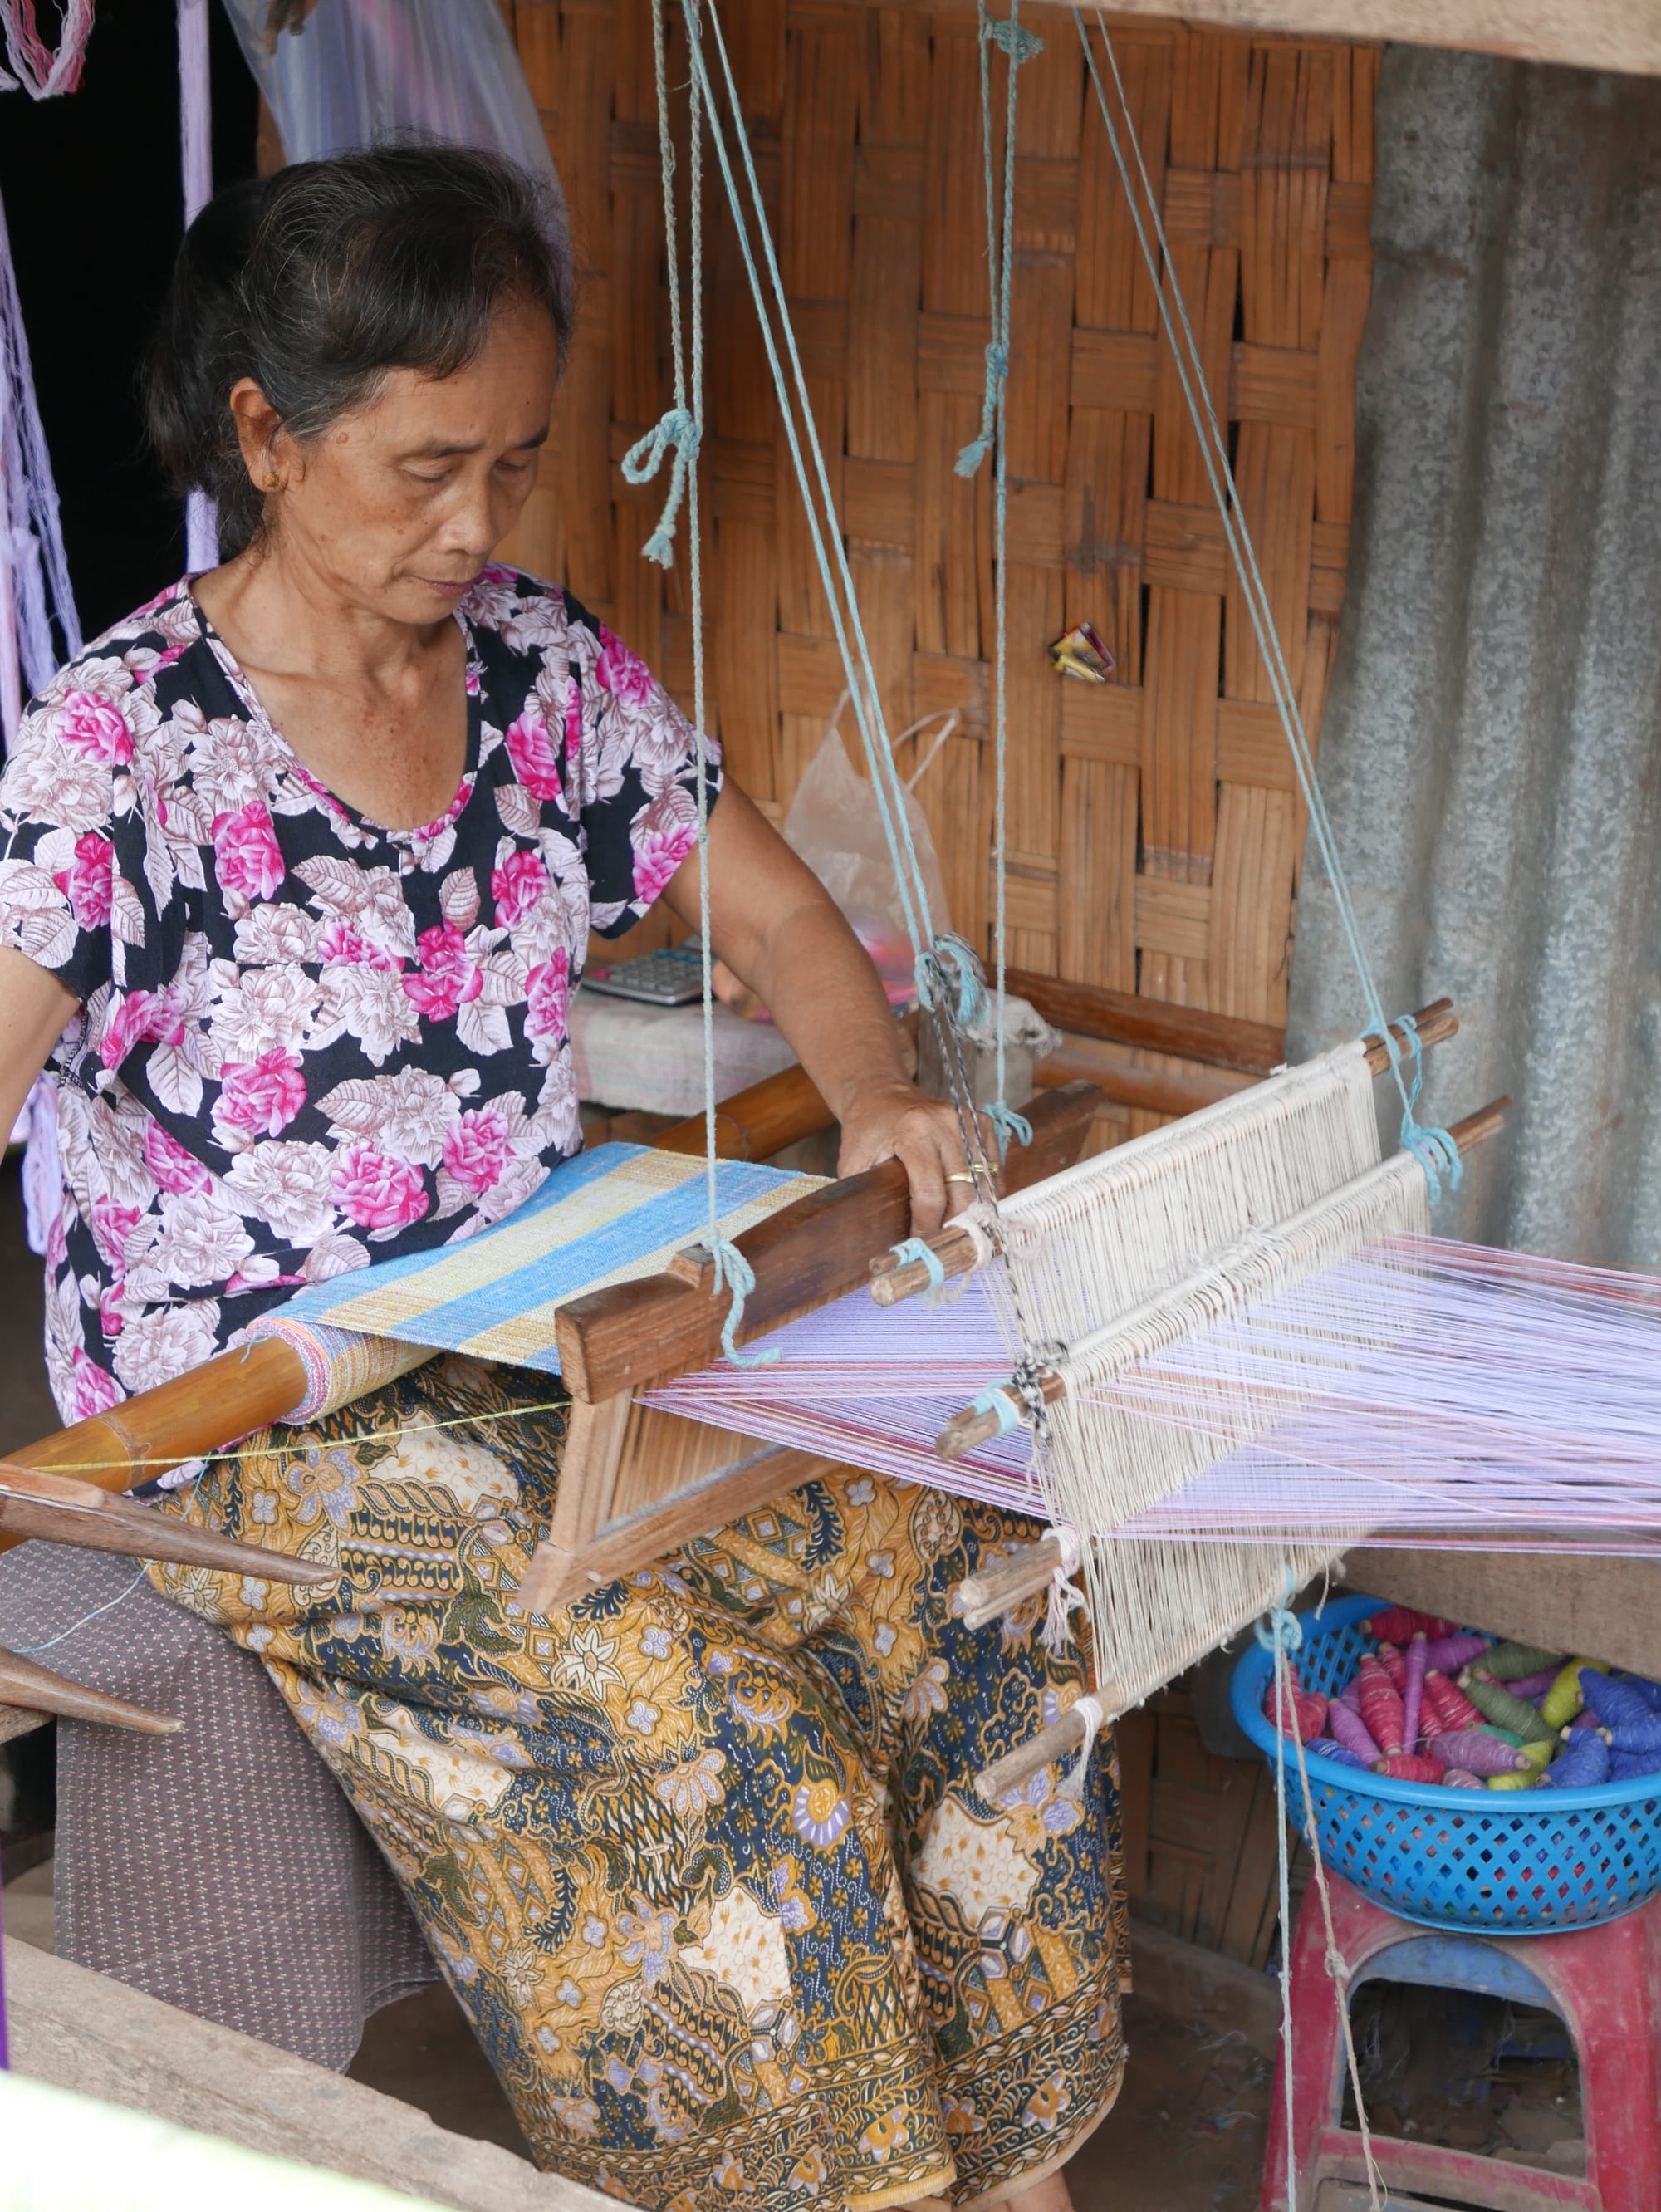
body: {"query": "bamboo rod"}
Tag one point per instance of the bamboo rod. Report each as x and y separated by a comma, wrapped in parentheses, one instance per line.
(974, 1427)
(1022, 1573)
(1054, 1742)
(893, 1280)
(36, 1689)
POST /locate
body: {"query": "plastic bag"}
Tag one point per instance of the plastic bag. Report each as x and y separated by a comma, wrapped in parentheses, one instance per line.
(342, 76)
(834, 825)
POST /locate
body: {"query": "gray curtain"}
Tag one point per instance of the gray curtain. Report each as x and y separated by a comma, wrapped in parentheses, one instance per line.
(1493, 741)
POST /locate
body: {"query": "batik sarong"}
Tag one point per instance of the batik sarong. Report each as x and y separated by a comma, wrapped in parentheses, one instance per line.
(702, 1855)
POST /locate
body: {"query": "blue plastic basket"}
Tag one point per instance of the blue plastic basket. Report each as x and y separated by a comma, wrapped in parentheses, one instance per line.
(1533, 1863)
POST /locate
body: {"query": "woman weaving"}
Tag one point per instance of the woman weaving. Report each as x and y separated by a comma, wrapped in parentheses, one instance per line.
(300, 863)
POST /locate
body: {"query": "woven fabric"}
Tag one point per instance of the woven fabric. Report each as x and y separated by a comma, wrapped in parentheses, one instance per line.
(609, 1216)
(220, 1869)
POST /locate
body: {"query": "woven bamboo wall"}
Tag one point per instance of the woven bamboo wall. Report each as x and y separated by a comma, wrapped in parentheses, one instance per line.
(1154, 831)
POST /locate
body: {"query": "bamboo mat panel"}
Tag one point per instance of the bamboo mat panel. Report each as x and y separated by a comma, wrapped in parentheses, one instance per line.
(1154, 826)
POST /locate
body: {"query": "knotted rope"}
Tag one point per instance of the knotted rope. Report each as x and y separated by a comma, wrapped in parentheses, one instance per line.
(1280, 1632)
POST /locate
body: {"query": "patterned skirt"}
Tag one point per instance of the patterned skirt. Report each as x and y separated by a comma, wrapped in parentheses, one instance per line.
(702, 1856)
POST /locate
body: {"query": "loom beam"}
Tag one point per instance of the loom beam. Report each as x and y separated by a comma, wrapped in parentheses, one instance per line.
(893, 1280)
(635, 1335)
(626, 1511)
(62, 1511)
(36, 1689)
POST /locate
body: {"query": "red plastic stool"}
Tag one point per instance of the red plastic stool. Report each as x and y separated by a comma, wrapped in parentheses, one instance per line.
(1598, 1981)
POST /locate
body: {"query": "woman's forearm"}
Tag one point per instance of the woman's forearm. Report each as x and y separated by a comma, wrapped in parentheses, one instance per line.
(816, 980)
(774, 924)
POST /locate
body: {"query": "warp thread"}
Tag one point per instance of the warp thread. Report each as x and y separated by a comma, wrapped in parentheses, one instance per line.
(1280, 1632)
(1065, 1597)
(1094, 1714)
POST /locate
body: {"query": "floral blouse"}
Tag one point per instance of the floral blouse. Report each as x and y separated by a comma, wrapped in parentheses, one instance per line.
(305, 1042)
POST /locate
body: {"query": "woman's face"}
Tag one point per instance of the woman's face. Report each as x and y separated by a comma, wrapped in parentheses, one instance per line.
(396, 507)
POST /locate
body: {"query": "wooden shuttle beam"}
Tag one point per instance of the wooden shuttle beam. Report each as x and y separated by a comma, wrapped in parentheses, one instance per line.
(893, 1280)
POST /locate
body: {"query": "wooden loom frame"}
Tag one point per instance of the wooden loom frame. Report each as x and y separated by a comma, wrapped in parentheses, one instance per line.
(635, 1482)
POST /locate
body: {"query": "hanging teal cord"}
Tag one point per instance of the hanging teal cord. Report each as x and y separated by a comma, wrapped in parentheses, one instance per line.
(677, 430)
(1019, 45)
(1434, 1148)
(949, 980)
(829, 550)
(682, 428)
(1008, 1126)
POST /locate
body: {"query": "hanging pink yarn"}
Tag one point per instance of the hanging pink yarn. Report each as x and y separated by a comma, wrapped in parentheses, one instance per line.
(39, 71)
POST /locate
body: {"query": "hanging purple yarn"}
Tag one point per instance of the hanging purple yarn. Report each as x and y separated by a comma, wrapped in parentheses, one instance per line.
(34, 574)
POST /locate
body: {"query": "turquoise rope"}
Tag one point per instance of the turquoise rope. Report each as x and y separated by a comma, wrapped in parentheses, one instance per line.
(995, 1399)
(1019, 45)
(835, 575)
(682, 428)
(677, 430)
(1434, 1148)
(915, 1248)
(1008, 1126)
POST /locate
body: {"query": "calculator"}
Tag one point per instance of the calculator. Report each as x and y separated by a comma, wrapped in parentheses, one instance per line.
(673, 978)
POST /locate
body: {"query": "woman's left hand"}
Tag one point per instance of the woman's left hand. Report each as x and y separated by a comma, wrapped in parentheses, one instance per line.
(895, 1121)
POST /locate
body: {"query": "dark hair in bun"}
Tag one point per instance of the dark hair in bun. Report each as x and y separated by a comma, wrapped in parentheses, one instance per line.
(320, 279)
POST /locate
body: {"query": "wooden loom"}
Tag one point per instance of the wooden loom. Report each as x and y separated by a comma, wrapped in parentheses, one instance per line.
(637, 1481)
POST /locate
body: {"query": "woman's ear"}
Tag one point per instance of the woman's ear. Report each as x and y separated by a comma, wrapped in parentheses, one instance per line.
(257, 428)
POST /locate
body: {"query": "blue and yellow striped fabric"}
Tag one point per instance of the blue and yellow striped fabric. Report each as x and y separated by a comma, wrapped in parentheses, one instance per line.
(608, 1216)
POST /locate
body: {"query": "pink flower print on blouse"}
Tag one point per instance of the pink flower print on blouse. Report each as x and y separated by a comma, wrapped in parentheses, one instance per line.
(574, 722)
(346, 947)
(623, 673)
(93, 727)
(446, 978)
(547, 998)
(658, 852)
(88, 881)
(517, 886)
(530, 749)
(247, 858)
(262, 1096)
(175, 1170)
(96, 1390)
(138, 1018)
(110, 1315)
(376, 1192)
(111, 1225)
(476, 1149)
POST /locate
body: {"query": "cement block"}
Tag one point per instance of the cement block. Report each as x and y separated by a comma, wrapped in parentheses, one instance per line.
(82, 2031)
